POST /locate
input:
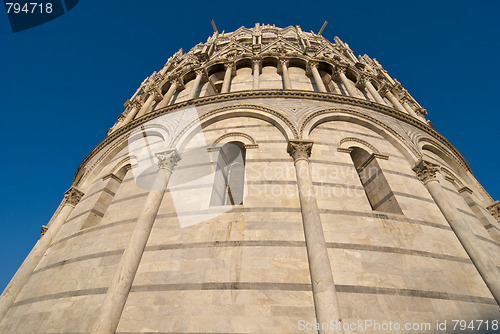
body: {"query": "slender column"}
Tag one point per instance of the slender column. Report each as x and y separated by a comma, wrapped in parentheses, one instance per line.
(117, 294)
(227, 78)
(256, 73)
(426, 171)
(490, 224)
(135, 106)
(317, 77)
(405, 102)
(154, 95)
(196, 84)
(373, 91)
(286, 77)
(324, 294)
(168, 95)
(393, 100)
(347, 83)
(71, 199)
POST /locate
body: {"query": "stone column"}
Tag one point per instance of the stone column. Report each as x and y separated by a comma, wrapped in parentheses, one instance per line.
(117, 294)
(490, 223)
(347, 83)
(393, 100)
(286, 78)
(168, 95)
(324, 294)
(227, 78)
(196, 84)
(373, 91)
(256, 74)
(135, 106)
(71, 199)
(154, 95)
(407, 107)
(426, 171)
(317, 77)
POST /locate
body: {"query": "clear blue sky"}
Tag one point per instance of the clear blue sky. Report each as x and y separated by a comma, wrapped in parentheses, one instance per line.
(63, 84)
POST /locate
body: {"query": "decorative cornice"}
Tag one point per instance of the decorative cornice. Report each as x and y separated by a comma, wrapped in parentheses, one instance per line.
(72, 196)
(426, 170)
(328, 97)
(465, 190)
(299, 149)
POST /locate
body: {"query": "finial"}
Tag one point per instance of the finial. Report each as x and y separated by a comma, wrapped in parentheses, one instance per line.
(213, 26)
(322, 28)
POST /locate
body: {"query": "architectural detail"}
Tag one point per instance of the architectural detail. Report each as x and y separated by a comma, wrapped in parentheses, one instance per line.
(426, 170)
(72, 196)
(495, 210)
(299, 149)
(383, 220)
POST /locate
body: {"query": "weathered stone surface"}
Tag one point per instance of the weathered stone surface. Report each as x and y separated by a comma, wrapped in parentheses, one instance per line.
(179, 264)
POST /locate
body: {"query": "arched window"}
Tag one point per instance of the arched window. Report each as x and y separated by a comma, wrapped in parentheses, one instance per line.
(377, 189)
(230, 175)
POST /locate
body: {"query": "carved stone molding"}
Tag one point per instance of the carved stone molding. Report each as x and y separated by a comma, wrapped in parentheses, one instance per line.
(168, 159)
(72, 196)
(43, 230)
(299, 149)
(494, 209)
(465, 189)
(426, 170)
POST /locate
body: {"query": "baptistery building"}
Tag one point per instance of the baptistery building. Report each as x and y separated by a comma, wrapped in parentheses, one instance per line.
(266, 181)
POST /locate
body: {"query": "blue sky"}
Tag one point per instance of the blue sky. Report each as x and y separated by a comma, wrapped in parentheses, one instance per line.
(63, 84)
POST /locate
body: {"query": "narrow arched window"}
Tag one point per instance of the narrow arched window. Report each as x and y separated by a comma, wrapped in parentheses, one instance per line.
(375, 185)
(229, 178)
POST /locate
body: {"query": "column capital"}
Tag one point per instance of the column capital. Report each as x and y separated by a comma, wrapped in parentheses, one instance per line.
(494, 209)
(312, 64)
(168, 159)
(299, 149)
(229, 64)
(285, 62)
(426, 170)
(199, 71)
(421, 111)
(72, 196)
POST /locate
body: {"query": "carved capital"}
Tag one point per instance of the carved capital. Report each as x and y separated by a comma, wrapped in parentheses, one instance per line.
(168, 159)
(494, 209)
(312, 64)
(299, 149)
(421, 111)
(228, 65)
(426, 170)
(72, 196)
(284, 62)
(199, 72)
